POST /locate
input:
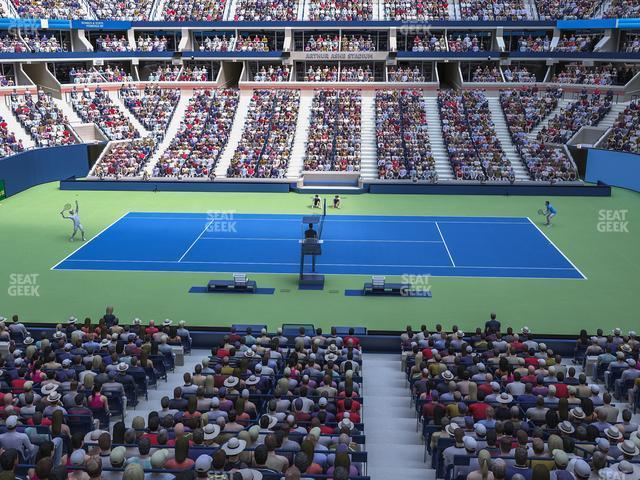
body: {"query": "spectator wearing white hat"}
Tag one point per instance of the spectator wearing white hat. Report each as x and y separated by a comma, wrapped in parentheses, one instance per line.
(16, 440)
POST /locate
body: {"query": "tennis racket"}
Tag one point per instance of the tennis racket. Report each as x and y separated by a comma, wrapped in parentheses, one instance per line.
(540, 211)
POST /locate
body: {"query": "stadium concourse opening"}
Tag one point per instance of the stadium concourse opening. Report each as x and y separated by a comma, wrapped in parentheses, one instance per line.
(353, 244)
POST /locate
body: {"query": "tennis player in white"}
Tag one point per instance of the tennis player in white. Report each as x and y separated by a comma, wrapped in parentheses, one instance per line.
(75, 218)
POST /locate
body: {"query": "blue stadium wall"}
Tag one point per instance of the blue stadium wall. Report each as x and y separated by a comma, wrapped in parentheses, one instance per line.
(28, 169)
(619, 169)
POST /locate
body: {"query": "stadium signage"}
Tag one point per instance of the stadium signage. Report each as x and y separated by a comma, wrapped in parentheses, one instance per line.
(338, 56)
(101, 25)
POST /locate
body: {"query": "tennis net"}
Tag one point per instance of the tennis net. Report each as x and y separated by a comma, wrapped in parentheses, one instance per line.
(322, 218)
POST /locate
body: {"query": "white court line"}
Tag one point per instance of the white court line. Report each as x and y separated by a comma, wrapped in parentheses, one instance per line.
(191, 272)
(324, 264)
(445, 245)
(556, 247)
(324, 240)
(84, 244)
(336, 220)
(206, 227)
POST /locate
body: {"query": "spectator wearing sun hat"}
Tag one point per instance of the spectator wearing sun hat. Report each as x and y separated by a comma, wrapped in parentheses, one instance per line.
(233, 448)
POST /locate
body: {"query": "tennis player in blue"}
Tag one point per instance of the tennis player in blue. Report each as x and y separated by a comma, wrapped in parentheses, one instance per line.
(550, 212)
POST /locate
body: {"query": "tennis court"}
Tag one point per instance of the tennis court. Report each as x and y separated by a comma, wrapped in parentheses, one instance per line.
(509, 247)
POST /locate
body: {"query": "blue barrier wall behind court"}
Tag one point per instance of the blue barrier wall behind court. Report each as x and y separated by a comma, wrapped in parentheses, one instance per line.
(619, 169)
(27, 169)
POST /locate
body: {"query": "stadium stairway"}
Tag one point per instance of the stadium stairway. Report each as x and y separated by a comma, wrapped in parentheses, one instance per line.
(532, 11)
(390, 422)
(610, 118)
(504, 136)
(561, 104)
(434, 127)
(172, 129)
(378, 10)
(237, 129)
(127, 113)
(298, 149)
(15, 126)
(455, 6)
(368, 147)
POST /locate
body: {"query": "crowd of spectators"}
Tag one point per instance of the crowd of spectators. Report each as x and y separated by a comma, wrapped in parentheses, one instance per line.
(402, 139)
(472, 143)
(465, 44)
(424, 10)
(631, 44)
(534, 44)
(524, 109)
(322, 43)
(405, 74)
(429, 43)
(457, 136)
(147, 43)
(518, 74)
(194, 74)
(134, 10)
(509, 404)
(42, 118)
(255, 43)
(571, 10)
(485, 10)
(272, 73)
(217, 43)
(10, 43)
(56, 9)
(9, 144)
(100, 109)
(269, 129)
(115, 74)
(597, 75)
(494, 162)
(340, 10)
(622, 9)
(588, 110)
(165, 73)
(577, 43)
(153, 107)
(322, 73)
(84, 75)
(202, 135)
(60, 389)
(113, 43)
(266, 10)
(333, 43)
(357, 74)
(334, 139)
(486, 74)
(625, 131)
(194, 10)
(7, 80)
(43, 43)
(357, 43)
(125, 159)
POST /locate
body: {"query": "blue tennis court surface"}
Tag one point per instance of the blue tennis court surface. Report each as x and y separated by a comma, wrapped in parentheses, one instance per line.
(353, 244)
